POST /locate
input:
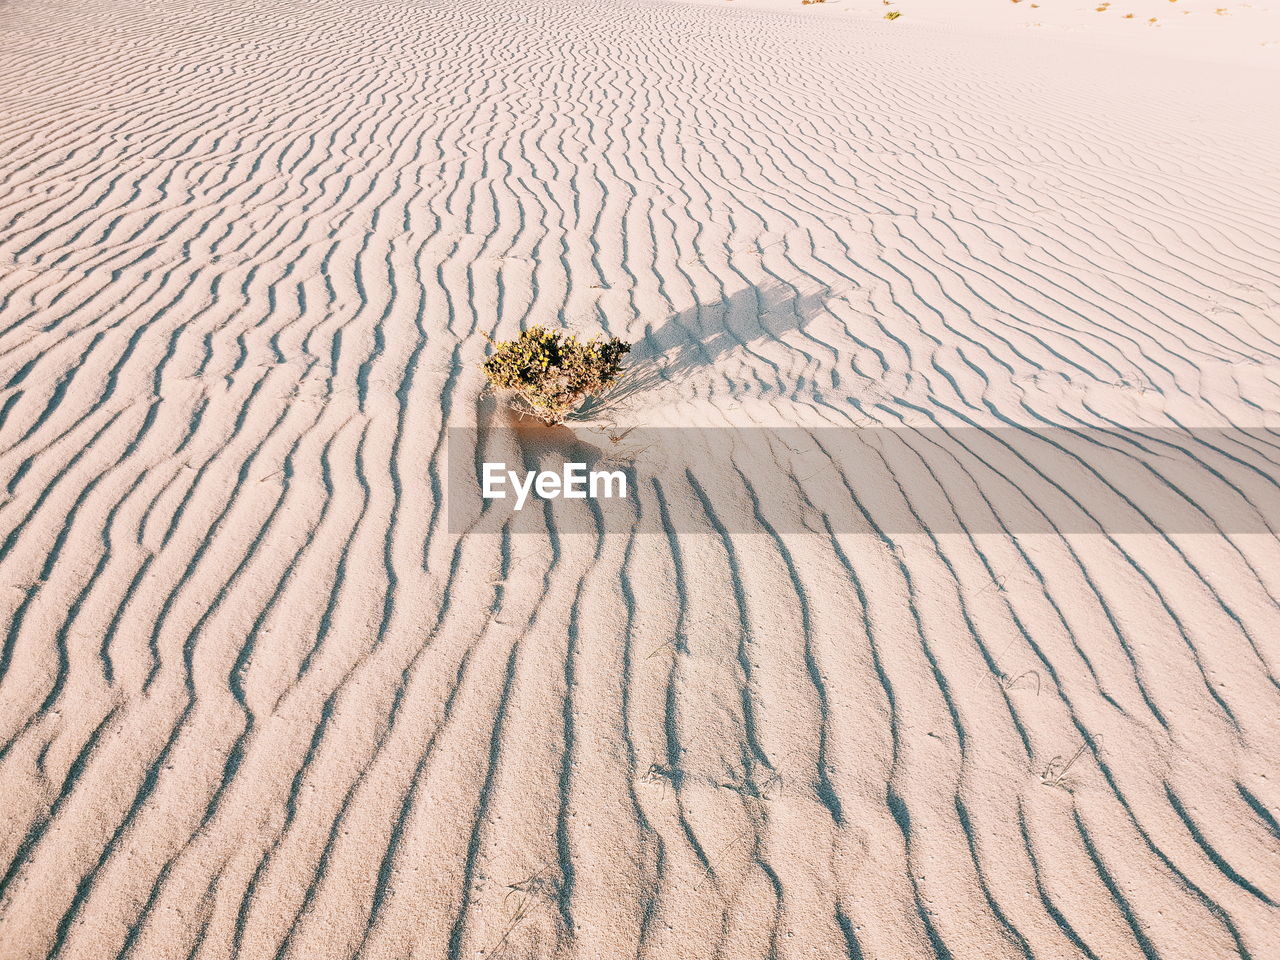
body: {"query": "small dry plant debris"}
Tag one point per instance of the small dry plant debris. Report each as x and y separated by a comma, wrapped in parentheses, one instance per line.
(747, 782)
(1055, 771)
(1029, 679)
(663, 774)
(540, 889)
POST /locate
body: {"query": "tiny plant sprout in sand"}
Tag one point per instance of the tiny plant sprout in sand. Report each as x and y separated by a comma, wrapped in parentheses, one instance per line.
(551, 373)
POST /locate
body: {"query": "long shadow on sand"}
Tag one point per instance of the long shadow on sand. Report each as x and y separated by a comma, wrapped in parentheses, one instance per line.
(695, 339)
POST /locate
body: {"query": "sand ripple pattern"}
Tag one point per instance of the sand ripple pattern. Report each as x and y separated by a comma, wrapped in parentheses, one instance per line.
(256, 700)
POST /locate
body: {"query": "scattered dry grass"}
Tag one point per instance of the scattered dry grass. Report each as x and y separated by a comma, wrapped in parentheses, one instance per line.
(1055, 771)
(537, 890)
(745, 782)
(662, 774)
(1031, 677)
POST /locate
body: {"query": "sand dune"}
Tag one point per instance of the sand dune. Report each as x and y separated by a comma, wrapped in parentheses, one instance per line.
(261, 697)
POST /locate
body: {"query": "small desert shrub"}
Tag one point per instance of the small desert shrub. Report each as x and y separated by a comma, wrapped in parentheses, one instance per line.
(553, 372)
(893, 15)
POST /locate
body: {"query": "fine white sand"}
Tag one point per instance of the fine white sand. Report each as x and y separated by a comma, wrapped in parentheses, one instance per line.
(1226, 31)
(259, 700)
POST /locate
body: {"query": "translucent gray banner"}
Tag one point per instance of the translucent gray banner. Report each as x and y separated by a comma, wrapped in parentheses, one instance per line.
(886, 481)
